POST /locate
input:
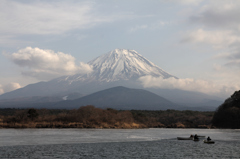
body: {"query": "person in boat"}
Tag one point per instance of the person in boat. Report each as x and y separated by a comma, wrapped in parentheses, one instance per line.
(191, 136)
(209, 139)
(195, 136)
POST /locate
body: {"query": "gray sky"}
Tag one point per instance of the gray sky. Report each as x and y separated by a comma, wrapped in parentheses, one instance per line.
(195, 40)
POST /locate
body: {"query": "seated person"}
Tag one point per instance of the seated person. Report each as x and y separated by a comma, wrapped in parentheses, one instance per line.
(208, 139)
(195, 136)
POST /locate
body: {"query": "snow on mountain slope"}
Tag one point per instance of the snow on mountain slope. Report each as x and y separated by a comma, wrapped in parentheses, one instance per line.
(119, 64)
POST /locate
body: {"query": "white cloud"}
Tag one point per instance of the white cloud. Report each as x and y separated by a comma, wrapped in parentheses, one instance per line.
(46, 64)
(219, 26)
(53, 17)
(219, 14)
(189, 84)
(218, 38)
(9, 87)
(21, 21)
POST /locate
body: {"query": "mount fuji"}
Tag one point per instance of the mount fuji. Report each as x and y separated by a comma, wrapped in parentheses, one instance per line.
(119, 67)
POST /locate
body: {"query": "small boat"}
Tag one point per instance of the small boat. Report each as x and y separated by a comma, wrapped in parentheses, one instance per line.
(208, 141)
(184, 138)
(201, 136)
(195, 139)
(191, 138)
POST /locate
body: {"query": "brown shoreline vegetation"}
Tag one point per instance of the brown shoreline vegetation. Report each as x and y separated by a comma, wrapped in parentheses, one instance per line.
(92, 117)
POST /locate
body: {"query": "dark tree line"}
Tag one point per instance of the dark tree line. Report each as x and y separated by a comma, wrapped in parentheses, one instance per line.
(92, 117)
(228, 114)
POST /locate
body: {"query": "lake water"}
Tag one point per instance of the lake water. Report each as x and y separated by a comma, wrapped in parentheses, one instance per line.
(117, 143)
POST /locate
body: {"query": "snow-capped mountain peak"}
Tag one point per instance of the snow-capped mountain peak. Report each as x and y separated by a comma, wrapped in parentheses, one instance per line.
(117, 65)
(122, 64)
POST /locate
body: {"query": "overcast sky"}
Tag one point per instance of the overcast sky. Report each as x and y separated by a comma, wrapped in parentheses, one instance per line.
(196, 40)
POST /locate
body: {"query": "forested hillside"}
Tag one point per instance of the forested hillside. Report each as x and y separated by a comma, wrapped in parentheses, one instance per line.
(228, 114)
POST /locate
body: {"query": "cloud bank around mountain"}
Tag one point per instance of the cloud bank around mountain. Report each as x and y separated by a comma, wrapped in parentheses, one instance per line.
(188, 84)
(47, 64)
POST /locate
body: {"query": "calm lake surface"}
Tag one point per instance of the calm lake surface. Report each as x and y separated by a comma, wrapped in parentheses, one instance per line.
(117, 143)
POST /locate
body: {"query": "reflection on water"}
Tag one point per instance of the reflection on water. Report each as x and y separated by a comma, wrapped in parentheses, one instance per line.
(137, 143)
